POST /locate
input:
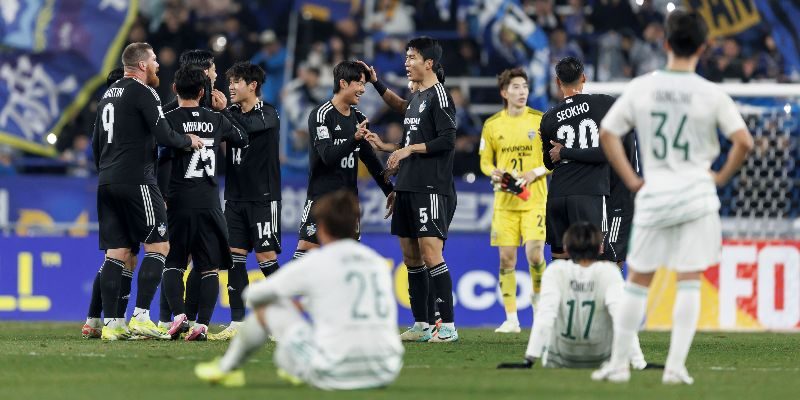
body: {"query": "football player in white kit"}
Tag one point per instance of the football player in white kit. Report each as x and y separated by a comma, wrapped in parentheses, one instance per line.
(349, 296)
(573, 325)
(676, 223)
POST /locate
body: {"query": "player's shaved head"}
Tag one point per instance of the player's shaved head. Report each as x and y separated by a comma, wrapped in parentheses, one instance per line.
(582, 242)
(337, 215)
(686, 32)
(136, 52)
(569, 70)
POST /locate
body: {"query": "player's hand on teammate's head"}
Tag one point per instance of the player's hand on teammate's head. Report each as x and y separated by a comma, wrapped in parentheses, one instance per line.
(218, 100)
(389, 205)
(197, 143)
(555, 152)
(373, 76)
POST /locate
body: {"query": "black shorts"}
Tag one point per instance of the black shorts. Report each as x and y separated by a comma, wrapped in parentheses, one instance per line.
(308, 225)
(619, 233)
(130, 214)
(452, 203)
(566, 210)
(201, 233)
(254, 225)
(419, 215)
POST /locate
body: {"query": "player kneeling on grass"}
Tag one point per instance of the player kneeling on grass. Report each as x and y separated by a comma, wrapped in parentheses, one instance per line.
(351, 339)
(578, 304)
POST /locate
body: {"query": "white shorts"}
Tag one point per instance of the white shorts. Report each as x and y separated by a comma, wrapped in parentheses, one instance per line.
(691, 246)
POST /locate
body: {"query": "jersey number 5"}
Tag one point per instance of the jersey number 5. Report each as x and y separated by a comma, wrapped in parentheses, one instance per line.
(107, 118)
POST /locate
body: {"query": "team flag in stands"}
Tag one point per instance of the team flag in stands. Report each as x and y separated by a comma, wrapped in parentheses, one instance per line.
(783, 17)
(325, 10)
(53, 56)
(726, 17)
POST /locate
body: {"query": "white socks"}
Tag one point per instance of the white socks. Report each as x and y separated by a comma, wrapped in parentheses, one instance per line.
(141, 314)
(251, 337)
(685, 313)
(630, 315)
(422, 325)
(512, 316)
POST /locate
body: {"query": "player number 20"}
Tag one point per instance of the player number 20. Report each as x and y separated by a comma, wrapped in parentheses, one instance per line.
(587, 132)
(107, 118)
(349, 161)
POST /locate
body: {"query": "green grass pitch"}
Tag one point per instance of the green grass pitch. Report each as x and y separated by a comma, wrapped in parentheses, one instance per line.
(51, 361)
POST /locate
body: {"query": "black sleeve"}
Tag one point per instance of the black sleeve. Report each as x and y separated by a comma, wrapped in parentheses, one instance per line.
(444, 119)
(593, 155)
(320, 135)
(231, 134)
(96, 143)
(544, 132)
(172, 105)
(374, 166)
(232, 119)
(150, 108)
(163, 171)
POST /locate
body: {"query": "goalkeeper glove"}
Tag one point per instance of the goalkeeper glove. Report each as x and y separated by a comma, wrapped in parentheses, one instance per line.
(513, 184)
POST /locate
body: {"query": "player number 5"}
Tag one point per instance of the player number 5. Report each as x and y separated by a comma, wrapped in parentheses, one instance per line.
(423, 215)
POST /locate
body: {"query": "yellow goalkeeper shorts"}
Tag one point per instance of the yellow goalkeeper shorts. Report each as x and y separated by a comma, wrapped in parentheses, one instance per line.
(513, 228)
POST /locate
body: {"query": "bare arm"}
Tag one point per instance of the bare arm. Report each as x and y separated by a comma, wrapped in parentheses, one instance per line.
(615, 153)
(742, 144)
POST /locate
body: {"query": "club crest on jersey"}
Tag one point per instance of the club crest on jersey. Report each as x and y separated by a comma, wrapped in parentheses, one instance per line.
(322, 132)
(311, 229)
(162, 229)
(531, 135)
(422, 106)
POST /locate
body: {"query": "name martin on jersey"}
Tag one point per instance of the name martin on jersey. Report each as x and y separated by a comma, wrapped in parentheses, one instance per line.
(573, 111)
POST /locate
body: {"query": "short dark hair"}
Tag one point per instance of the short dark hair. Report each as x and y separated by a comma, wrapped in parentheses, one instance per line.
(686, 32)
(338, 213)
(115, 75)
(189, 81)
(199, 58)
(350, 71)
(440, 74)
(134, 53)
(505, 77)
(429, 48)
(582, 241)
(248, 72)
(569, 70)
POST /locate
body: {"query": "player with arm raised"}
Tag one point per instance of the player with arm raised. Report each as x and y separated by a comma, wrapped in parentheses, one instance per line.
(579, 186)
(196, 221)
(347, 338)
(252, 186)
(511, 152)
(579, 302)
(676, 114)
(337, 130)
(130, 208)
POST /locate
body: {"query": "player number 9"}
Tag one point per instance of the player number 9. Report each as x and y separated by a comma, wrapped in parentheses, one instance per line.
(108, 120)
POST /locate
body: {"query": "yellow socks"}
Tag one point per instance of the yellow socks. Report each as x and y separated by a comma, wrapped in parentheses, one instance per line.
(508, 287)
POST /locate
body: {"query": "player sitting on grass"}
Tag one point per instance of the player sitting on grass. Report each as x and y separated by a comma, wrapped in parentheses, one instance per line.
(351, 339)
(578, 303)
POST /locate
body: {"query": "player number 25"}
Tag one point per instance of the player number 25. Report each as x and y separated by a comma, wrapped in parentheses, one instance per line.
(206, 154)
(107, 118)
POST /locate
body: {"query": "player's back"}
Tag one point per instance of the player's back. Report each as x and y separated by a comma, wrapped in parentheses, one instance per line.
(575, 123)
(193, 181)
(253, 172)
(583, 332)
(127, 151)
(676, 116)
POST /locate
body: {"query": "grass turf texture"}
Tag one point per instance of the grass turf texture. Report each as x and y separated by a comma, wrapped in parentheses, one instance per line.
(51, 361)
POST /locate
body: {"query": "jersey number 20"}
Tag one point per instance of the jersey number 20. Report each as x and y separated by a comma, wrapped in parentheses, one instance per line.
(587, 132)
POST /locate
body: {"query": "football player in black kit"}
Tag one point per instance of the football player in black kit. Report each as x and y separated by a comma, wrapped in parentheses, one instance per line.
(579, 186)
(252, 186)
(620, 207)
(130, 207)
(197, 226)
(337, 129)
(422, 213)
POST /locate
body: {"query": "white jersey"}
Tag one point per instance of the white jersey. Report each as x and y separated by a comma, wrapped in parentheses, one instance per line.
(676, 116)
(351, 304)
(573, 327)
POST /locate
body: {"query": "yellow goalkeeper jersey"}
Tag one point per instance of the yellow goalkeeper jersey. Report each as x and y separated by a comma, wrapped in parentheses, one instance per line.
(513, 144)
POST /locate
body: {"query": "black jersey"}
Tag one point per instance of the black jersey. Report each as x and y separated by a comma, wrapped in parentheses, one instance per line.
(129, 123)
(193, 182)
(575, 123)
(430, 119)
(621, 198)
(334, 152)
(254, 171)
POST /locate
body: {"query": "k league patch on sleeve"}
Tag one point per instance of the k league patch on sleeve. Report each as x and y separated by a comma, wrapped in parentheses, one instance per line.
(322, 132)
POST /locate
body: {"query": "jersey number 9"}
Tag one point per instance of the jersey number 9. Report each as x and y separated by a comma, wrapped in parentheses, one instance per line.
(107, 118)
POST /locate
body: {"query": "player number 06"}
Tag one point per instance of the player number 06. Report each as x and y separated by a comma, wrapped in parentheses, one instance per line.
(349, 161)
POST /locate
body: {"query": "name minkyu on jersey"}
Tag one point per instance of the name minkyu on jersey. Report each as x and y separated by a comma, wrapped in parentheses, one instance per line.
(334, 153)
(429, 118)
(128, 125)
(676, 123)
(575, 123)
(193, 182)
(254, 171)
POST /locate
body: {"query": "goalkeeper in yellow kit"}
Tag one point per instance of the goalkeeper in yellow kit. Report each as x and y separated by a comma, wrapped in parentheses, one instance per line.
(511, 154)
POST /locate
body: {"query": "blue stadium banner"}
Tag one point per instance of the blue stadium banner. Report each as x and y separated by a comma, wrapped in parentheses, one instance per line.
(726, 17)
(55, 53)
(783, 17)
